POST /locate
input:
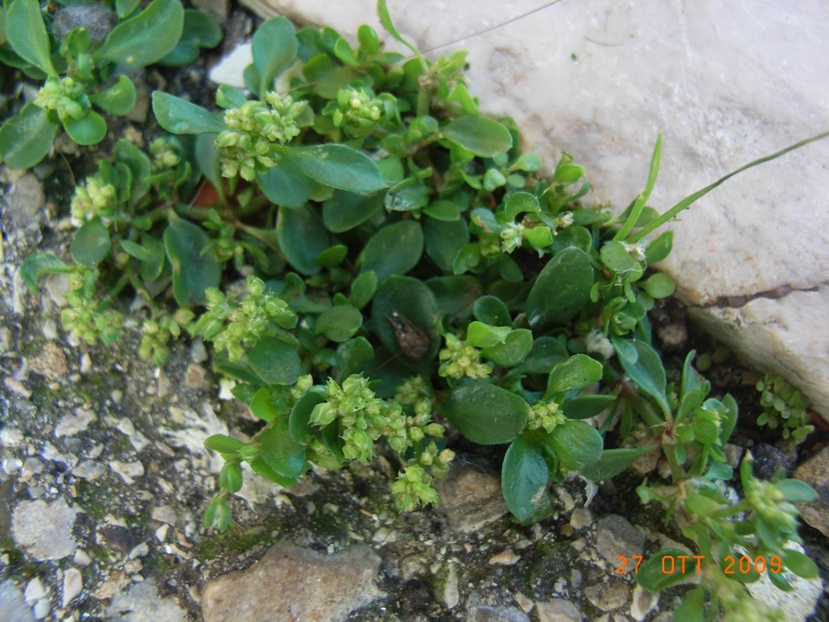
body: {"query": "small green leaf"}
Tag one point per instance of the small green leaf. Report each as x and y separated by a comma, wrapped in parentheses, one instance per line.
(795, 490)
(613, 462)
(200, 31)
(346, 210)
(574, 374)
(483, 335)
(260, 467)
(153, 266)
(646, 370)
(262, 406)
(274, 49)
(363, 289)
(491, 310)
(279, 450)
(520, 203)
(394, 249)
(299, 421)
(88, 130)
(616, 257)
(524, 479)
(561, 289)
(37, 265)
(447, 211)
(660, 247)
(179, 116)
(483, 137)
(286, 185)
(119, 99)
(546, 353)
(125, 7)
(275, 361)
(134, 249)
(338, 166)
(91, 243)
(353, 355)
(455, 294)
(223, 444)
(586, 406)
(659, 285)
(194, 269)
(486, 414)
(26, 33)
(302, 238)
(515, 348)
(339, 323)
(576, 444)
(799, 564)
(25, 139)
(665, 569)
(443, 240)
(147, 37)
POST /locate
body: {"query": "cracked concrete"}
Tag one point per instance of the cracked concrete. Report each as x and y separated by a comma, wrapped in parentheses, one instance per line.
(726, 84)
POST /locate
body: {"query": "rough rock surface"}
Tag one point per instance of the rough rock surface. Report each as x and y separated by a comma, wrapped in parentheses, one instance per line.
(292, 583)
(44, 529)
(725, 84)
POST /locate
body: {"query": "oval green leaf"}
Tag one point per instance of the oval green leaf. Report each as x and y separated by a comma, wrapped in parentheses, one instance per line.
(26, 33)
(444, 240)
(339, 323)
(194, 269)
(274, 49)
(338, 166)
(515, 348)
(486, 414)
(492, 310)
(561, 289)
(524, 479)
(352, 355)
(179, 116)
(26, 138)
(275, 361)
(410, 299)
(483, 137)
(88, 130)
(302, 238)
(576, 444)
(146, 38)
(574, 374)
(346, 210)
(119, 99)
(91, 244)
(395, 249)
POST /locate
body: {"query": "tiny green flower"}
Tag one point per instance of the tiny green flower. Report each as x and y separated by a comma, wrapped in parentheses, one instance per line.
(459, 360)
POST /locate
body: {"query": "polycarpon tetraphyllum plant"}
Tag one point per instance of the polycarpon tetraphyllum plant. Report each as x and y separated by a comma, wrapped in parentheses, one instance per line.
(377, 261)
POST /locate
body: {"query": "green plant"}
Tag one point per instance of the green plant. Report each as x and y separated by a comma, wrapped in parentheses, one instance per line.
(81, 57)
(390, 256)
(784, 407)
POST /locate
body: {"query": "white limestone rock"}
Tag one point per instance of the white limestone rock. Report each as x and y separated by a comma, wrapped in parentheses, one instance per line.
(725, 83)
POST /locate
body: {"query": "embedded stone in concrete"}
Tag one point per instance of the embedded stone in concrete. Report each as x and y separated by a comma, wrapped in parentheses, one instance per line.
(725, 83)
(815, 472)
(292, 583)
(44, 530)
(142, 603)
(471, 499)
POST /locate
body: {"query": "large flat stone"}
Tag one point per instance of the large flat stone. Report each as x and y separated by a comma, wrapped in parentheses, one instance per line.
(291, 583)
(724, 82)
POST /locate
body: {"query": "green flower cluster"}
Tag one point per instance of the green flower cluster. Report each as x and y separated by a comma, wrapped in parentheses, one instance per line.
(163, 154)
(253, 129)
(459, 360)
(770, 504)
(93, 198)
(545, 415)
(236, 326)
(363, 416)
(414, 485)
(158, 331)
(739, 606)
(356, 110)
(84, 317)
(66, 96)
